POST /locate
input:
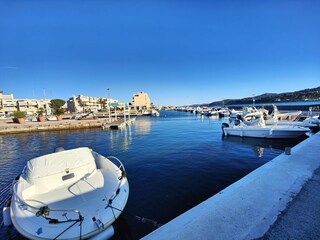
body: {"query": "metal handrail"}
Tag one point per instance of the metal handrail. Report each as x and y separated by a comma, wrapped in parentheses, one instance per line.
(22, 202)
(121, 165)
(121, 168)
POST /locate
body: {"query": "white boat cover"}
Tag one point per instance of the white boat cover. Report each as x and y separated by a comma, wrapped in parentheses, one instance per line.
(60, 162)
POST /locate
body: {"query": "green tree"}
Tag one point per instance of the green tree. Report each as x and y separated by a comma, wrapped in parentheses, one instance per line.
(57, 106)
(57, 103)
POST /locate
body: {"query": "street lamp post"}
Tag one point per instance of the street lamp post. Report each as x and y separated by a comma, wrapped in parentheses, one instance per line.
(109, 104)
(129, 112)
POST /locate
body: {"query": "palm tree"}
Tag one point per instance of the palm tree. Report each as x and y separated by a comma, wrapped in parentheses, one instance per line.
(102, 103)
(83, 105)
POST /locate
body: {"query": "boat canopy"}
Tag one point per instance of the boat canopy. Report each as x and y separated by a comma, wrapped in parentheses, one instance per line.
(60, 162)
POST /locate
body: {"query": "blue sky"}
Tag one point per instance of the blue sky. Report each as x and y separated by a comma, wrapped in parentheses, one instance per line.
(179, 52)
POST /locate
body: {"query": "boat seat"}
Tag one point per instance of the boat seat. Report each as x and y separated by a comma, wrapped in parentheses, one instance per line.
(97, 188)
(59, 169)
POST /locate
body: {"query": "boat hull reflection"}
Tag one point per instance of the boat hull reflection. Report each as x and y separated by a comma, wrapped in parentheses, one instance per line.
(259, 144)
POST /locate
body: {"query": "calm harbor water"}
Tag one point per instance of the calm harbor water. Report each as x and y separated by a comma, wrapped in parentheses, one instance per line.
(173, 163)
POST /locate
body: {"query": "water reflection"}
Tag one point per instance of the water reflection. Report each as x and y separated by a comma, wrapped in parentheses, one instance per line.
(121, 137)
(142, 126)
(259, 145)
(258, 150)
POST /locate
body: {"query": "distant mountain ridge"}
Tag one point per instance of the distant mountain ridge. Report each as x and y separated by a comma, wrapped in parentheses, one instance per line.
(309, 94)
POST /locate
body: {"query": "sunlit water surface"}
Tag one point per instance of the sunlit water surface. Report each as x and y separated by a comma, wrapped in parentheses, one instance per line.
(173, 163)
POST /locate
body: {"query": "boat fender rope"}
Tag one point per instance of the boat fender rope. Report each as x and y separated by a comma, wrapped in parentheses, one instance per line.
(110, 205)
(43, 211)
(56, 221)
(123, 175)
(81, 220)
(53, 221)
(112, 198)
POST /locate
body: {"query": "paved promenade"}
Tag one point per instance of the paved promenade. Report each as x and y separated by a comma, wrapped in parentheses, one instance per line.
(301, 219)
(279, 200)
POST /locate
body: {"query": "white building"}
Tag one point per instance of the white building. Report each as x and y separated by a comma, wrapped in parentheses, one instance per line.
(83, 103)
(141, 101)
(32, 106)
(9, 105)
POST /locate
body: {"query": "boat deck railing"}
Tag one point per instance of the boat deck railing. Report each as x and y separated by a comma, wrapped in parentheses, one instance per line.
(38, 211)
(121, 167)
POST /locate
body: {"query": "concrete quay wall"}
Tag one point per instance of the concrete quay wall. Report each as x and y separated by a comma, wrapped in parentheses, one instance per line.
(9, 127)
(247, 208)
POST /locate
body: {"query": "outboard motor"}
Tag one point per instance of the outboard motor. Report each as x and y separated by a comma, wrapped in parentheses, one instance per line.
(223, 125)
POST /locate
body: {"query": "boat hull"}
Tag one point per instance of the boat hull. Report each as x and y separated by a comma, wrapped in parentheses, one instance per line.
(90, 231)
(284, 133)
(79, 209)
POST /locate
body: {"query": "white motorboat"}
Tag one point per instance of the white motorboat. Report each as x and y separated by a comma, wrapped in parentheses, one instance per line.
(155, 113)
(70, 194)
(147, 113)
(223, 112)
(292, 119)
(261, 130)
(51, 118)
(247, 113)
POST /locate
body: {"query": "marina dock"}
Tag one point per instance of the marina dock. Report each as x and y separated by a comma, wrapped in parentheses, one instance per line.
(8, 127)
(259, 202)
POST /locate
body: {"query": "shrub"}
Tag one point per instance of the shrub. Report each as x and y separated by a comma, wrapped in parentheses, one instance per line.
(19, 114)
(40, 111)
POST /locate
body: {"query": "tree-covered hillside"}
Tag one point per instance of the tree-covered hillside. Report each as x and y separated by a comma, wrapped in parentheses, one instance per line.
(310, 94)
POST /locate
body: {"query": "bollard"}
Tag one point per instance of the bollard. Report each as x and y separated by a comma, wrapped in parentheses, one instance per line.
(287, 150)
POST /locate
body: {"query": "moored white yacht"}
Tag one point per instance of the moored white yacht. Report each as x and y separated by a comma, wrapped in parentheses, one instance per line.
(261, 130)
(70, 194)
(155, 113)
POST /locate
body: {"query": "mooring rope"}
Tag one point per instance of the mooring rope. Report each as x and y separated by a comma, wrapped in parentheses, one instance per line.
(75, 222)
(141, 219)
(68, 229)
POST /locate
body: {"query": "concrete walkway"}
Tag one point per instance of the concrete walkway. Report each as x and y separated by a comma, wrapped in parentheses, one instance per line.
(247, 208)
(301, 219)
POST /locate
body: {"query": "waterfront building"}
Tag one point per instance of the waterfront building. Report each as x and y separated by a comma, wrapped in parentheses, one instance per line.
(9, 105)
(32, 106)
(81, 103)
(141, 101)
